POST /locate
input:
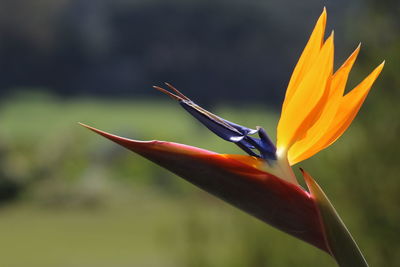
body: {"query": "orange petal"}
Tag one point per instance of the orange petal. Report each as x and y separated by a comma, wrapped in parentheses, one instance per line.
(236, 180)
(307, 58)
(302, 110)
(304, 148)
(350, 105)
(348, 108)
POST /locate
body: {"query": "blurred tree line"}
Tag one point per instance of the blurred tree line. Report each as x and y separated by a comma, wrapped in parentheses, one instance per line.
(238, 50)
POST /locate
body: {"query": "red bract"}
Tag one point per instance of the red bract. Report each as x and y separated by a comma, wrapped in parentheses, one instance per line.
(236, 180)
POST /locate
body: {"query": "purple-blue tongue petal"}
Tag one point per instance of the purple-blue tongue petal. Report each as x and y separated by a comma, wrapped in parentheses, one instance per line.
(229, 131)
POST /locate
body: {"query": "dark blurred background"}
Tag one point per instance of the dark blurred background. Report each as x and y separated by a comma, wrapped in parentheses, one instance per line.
(119, 48)
(69, 198)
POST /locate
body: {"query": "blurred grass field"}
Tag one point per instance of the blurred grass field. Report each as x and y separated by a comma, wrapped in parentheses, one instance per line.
(71, 198)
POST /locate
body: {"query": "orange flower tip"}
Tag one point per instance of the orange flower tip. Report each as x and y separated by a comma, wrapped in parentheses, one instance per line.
(324, 13)
(379, 68)
(355, 52)
(353, 56)
(324, 16)
(330, 39)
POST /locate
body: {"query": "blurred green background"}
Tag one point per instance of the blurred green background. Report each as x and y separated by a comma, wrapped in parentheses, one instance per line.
(71, 198)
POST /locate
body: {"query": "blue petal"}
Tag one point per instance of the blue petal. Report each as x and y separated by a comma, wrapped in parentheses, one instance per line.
(227, 130)
(215, 124)
(233, 132)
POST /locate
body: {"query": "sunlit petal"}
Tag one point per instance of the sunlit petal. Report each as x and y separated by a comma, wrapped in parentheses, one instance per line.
(348, 109)
(302, 110)
(304, 148)
(307, 58)
(350, 105)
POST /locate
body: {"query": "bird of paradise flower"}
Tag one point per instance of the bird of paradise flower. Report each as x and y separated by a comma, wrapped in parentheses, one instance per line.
(315, 113)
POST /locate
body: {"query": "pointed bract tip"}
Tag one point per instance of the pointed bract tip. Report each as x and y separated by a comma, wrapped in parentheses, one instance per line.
(338, 240)
(125, 142)
(96, 130)
(309, 180)
(100, 132)
(90, 128)
(84, 125)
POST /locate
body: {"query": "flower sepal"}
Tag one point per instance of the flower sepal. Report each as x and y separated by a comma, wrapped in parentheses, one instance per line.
(339, 241)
